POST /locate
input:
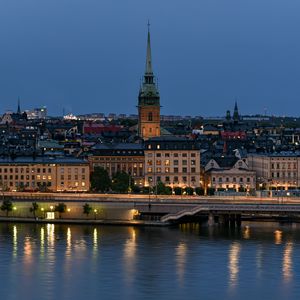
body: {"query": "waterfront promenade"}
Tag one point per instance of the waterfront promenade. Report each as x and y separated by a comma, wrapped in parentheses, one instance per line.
(125, 209)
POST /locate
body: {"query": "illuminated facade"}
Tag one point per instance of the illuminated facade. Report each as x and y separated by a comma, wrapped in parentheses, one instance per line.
(44, 174)
(117, 157)
(276, 170)
(173, 161)
(229, 174)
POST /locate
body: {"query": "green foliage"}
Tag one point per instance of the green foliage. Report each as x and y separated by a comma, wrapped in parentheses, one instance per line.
(146, 189)
(121, 182)
(7, 206)
(189, 190)
(87, 209)
(34, 208)
(210, 191)
(61, 208)
(136, 189)
(178, 190)
(100, 181)
(242, 189)
(199, 191)
(162, 189)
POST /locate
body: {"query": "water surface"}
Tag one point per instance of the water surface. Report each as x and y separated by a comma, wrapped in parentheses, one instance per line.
(187, 262)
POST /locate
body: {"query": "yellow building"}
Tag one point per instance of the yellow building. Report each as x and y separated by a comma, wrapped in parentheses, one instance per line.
(172, 160)
(44, 174)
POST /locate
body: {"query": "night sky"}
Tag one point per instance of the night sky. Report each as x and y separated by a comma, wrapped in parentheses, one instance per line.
(88, 55)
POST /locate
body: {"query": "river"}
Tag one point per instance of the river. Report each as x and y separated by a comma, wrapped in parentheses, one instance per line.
(47, 261)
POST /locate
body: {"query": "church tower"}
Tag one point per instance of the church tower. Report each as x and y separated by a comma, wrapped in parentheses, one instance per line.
(149, 100)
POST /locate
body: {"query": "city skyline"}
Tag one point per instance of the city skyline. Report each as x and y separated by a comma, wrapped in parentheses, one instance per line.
(204, 54)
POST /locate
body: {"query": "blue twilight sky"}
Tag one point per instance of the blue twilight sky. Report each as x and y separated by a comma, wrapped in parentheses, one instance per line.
(88, 55)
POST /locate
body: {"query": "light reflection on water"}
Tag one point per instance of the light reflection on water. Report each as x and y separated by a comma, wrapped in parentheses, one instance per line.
(149, 263)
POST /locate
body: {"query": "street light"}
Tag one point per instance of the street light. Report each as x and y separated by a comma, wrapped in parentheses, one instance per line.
(95, 213)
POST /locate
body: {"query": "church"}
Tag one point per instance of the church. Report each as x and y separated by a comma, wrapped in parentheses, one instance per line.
(148, 101)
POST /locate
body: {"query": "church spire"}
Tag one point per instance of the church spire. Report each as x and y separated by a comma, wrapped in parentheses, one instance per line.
(148, 70)
(236, 115)
(149, 77)
(19, 108)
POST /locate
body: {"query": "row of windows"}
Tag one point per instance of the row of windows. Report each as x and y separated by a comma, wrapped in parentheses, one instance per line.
(167, 162)
(176, 179)
(284, 166)
(170, 154)
(38, 170)
(234, 179)
(168, 170)
(284, 174)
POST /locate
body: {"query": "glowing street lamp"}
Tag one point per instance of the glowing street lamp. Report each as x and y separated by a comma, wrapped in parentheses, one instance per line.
(95, 213)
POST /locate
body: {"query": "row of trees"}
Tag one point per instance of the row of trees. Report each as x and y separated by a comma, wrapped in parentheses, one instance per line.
(121, 182)
(61, 208)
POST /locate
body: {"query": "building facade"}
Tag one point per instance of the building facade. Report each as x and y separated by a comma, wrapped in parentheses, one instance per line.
(44, 174)
(148, 101)
(172, 160)
(229, 174)
(276, 170)
(117, 157)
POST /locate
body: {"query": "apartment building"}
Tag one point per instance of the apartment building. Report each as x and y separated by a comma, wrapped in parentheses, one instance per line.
(44, 173)
(172, 160)
(276, 170)
(117, 157)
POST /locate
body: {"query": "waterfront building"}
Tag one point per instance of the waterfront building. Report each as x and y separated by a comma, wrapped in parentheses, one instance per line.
(276, 170)
(118, 157)
(148, 101)
(44, 173)
(175, 161)
(229, 173)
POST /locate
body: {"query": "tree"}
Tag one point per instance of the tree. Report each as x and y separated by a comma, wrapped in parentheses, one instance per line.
(7, 206)
(178, 190)
(199, 191)
(60, 208)
(87, 209)
(34, 208)
(189, 191)
(121, 182)
(100, 181)
(162, 189)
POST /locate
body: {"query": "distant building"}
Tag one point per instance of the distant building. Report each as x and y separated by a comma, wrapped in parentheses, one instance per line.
(37, 113)
(148, 101)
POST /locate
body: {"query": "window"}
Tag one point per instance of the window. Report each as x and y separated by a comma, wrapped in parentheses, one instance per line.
(193, 170)
(167, 162)
(175, 154)
(158, 170)
(193, 179)
(220, 179)
(184, 170)
(158, 154)
(158, 162)
(167, 154)
(167, 178)
(214, 179)
(193, 162)
(193, 154)
(175, 170)
(184, 162)
(149, 170)
(175, 178)
(184, 155)
(176, 162)
(150, 116)
(184, 179)
(167, 170)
